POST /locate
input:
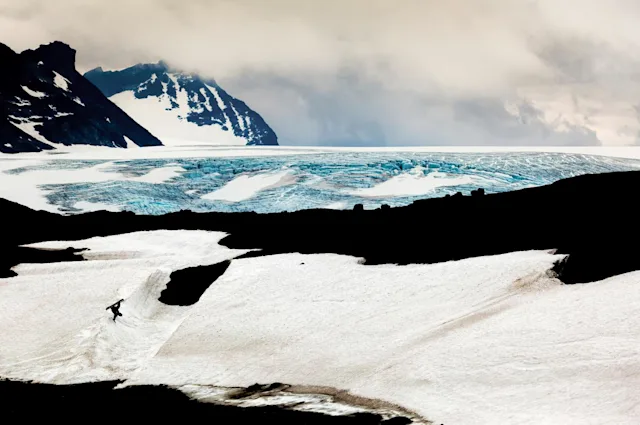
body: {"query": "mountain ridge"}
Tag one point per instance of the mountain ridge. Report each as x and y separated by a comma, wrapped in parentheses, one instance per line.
(46, 103)
(178, 104)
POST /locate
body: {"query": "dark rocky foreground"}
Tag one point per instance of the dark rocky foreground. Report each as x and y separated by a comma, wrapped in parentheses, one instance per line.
(592, 218)
(93, 402)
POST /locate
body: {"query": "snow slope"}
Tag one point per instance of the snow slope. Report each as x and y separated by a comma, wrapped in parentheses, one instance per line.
(72, 338)
(179, 105)
(479, 341)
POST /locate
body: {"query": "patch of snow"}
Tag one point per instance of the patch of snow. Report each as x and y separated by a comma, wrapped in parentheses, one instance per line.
(108, 120)
(78, 101)
(33, 93)
(8, 145)
(21, 102)
(61, 82)
(40, 63)
(95, 206)
(63, 114)
(182, 98)
(191, 192)
(30, 129)
(238, 117)
(222, 107)
(83, 343)
(340, 205)
(130, 143)
(207, 100)
(153, 78)
(157, 115)
(412, 183)
(245, 187)
(219, 100)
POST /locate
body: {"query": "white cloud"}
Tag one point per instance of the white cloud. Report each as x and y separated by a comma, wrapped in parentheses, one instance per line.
(446, 52)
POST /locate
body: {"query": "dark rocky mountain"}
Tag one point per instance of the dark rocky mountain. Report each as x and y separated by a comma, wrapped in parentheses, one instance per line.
(45, 102)
(175, 104)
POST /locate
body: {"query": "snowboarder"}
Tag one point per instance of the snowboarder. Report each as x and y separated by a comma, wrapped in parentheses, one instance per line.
(115, 309)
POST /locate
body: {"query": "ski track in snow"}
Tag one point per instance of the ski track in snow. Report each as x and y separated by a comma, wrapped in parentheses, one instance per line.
(491, 339)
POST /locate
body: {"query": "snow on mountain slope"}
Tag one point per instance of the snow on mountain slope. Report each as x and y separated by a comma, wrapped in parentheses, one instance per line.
(45, 102)
(176, 105)
(484, 340)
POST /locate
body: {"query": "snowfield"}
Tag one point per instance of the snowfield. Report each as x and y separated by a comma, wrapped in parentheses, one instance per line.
(488, 340)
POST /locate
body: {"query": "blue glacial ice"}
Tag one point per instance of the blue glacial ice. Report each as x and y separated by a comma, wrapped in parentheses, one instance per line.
(333, 180)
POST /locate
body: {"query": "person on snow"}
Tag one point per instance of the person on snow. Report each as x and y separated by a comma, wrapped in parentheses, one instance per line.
(115, 309)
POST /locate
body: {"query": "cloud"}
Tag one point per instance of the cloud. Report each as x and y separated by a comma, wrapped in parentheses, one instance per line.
(376, 71)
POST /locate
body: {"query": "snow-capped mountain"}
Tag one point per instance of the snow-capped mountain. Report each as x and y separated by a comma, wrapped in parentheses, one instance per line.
(177, 105)
(45, 101)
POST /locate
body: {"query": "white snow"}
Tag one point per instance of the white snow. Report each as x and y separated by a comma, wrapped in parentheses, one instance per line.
(484, 340)
(60, 81)
(412, 183)
(222, 107)
(78, 101)
(95, 206)
(40, 63)
(157, 115)
(238, 117)
(219, 100)
(246, 186)
(63, 114)
(130, 143)
(207, 102)
(29, 128)
(21, 102)
(340, 205)
(182, 98)
(33, 93)
(25, 188)
(8, 145)
(77, 340)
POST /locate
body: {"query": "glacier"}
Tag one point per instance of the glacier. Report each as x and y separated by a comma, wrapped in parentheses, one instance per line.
(278, 183)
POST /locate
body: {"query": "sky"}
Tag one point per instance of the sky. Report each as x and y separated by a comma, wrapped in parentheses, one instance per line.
(378, 72)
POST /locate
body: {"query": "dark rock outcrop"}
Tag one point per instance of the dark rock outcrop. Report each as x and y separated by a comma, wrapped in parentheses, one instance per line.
(187, 285)
(148, 404)
(45, 102)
